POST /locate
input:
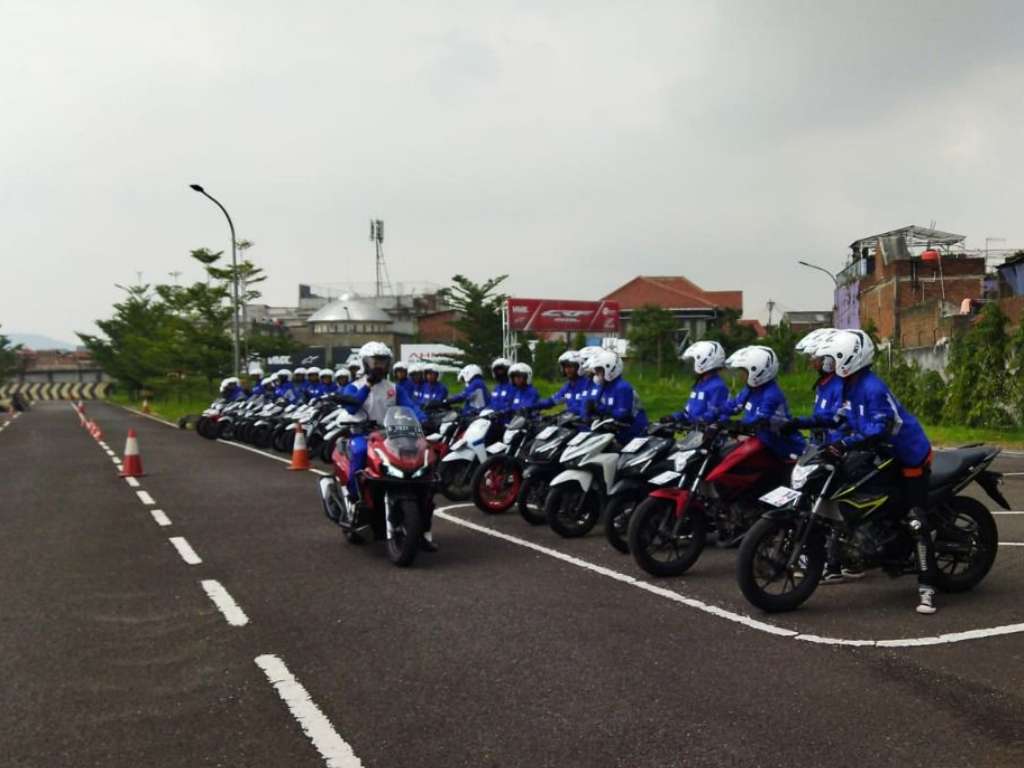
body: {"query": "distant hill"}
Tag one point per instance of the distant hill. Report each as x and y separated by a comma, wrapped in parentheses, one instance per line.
(38, 341)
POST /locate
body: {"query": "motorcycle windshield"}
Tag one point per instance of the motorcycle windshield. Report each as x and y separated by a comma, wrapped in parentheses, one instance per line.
(403, 433)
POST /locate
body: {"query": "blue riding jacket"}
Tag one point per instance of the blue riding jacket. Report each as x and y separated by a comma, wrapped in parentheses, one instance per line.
(875, 412)
(767, 403)
(707, 399)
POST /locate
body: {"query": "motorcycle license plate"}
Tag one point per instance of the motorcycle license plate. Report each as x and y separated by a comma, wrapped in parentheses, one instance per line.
(634, 445)
(579, 438)
(547, 432)
(781, 496)
(664, 478)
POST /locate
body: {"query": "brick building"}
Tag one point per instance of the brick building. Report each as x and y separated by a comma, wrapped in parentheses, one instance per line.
(693, 307)
(436, 327)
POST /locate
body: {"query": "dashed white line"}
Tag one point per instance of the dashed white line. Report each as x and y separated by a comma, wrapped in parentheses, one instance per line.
(160, 517)
(1011, 543)
(145, 498)
(714, 610)
(185, 550)
(132, 482)
(334, 749)
(1006, 514)
(225, 602)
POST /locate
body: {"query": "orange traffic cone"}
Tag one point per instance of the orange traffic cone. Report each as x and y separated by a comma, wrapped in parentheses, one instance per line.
(132, 464)
(300, 456)
(96, 432)
(145, 405)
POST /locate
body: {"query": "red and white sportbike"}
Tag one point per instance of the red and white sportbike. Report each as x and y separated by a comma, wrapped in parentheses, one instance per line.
(396, 487)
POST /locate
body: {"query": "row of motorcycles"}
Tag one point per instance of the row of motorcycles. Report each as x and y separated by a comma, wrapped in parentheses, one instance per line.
(662, 497)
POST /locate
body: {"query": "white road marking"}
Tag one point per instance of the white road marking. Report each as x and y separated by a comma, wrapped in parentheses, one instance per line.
(115, 460)
(250, 449)
(335, 750)
(185, 550)
(1011, 543)
(161, 517)
(722, 613)
(110, 452)
(1006, 514)
(132, 482)
(225, 602)
(145, 498)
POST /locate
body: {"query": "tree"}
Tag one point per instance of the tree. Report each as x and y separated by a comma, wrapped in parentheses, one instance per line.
(545, 359)
(782, 340)
(979, 391)
(8, 358)
(730, 332)
(479, 315)
(651, 334)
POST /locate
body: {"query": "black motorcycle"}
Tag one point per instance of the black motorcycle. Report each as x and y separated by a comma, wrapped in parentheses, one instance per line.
(858, 499)
(542, 464)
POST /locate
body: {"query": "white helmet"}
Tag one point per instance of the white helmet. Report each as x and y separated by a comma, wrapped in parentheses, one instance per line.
(373, 349)
(283, 372)
(586, 356)
(609, 361)
(326, 372)
(809, 344)
(852, 351)
(299, 371)
(415, 368)
(400, 365)
(257, 371)
(500, 362)
(314, 371)
(225, 383)
(523, 369)
(470, 372)
(266, 381)
(761, 364)
(706, 356)
(342, 373)
(569, 357)
(431, 367)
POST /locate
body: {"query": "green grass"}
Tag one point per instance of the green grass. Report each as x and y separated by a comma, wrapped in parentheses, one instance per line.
(170, 408)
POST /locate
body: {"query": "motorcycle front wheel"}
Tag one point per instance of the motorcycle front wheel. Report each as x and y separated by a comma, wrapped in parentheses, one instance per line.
(662, 543)
(763, 569)
(496, 484)
(572, 512)
(457, 480)
(530, 502)
(617, 514)
(406, 530)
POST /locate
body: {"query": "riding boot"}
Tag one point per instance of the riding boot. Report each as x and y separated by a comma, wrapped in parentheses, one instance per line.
(924, 555)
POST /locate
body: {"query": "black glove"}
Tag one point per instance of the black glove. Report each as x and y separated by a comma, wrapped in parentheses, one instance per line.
(790, 427)
(373, 375)
(666, 419)
(835, 451)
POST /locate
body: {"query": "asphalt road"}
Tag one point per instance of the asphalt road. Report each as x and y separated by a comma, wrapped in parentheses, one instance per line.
(510, 647)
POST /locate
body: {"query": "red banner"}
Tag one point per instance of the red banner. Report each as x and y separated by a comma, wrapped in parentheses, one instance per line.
(545, 315)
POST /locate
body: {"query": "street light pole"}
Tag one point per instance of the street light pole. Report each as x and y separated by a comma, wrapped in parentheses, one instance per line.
(835, 285)
(234, 269)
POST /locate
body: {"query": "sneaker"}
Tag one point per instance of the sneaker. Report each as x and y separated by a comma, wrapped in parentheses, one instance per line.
(832, 577)
(853, 572)
(925, 604)
(427, 543)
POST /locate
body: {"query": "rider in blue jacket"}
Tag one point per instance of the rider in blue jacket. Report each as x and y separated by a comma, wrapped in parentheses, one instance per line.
(876, 417)
(827, 416)
(524, 394)
(416, 377)
(313, 389)
(709, 393)
(573, 392)
(400, 373)
(433, 391)
(475, 396)
(616, 397)
(763, 402)
(327, 383)
(501, 394)
(284, 389)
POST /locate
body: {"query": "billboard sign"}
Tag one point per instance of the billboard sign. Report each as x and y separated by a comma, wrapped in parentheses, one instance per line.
(546, 315)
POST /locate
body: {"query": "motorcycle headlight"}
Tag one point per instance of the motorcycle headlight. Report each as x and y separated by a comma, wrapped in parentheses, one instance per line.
(801, 474)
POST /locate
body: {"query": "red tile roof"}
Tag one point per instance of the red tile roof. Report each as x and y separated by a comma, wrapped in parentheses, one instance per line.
(673, 292)
(754, 323)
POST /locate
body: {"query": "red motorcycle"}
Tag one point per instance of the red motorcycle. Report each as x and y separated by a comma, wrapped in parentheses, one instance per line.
(714, 489)
(396, 488)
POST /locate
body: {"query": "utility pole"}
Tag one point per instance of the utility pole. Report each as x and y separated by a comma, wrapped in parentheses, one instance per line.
(175, 274)
(771, 309)
(377, 238)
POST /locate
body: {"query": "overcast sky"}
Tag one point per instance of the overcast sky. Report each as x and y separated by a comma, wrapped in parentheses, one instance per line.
(570, 144)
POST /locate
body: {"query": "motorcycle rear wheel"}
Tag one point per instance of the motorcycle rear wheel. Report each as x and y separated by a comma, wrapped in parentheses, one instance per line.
(262, 436)
(407, 530)
(965, 545)
(496, 484)
(572, 512)
(530, 502)
(657, 545)
(762, 565)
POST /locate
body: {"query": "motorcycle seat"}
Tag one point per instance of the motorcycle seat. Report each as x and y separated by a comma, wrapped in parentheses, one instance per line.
(948, 465)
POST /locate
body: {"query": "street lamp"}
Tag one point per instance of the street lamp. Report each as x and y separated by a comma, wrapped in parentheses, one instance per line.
(234, 268)
(835, 284)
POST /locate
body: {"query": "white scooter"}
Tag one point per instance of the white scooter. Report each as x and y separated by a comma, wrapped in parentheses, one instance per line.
(576, 495)
(466, 454)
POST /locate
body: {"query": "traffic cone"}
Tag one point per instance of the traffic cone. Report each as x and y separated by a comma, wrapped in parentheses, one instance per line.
(96, 432)
(132, 463)
(145, 405)
(300, 456)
